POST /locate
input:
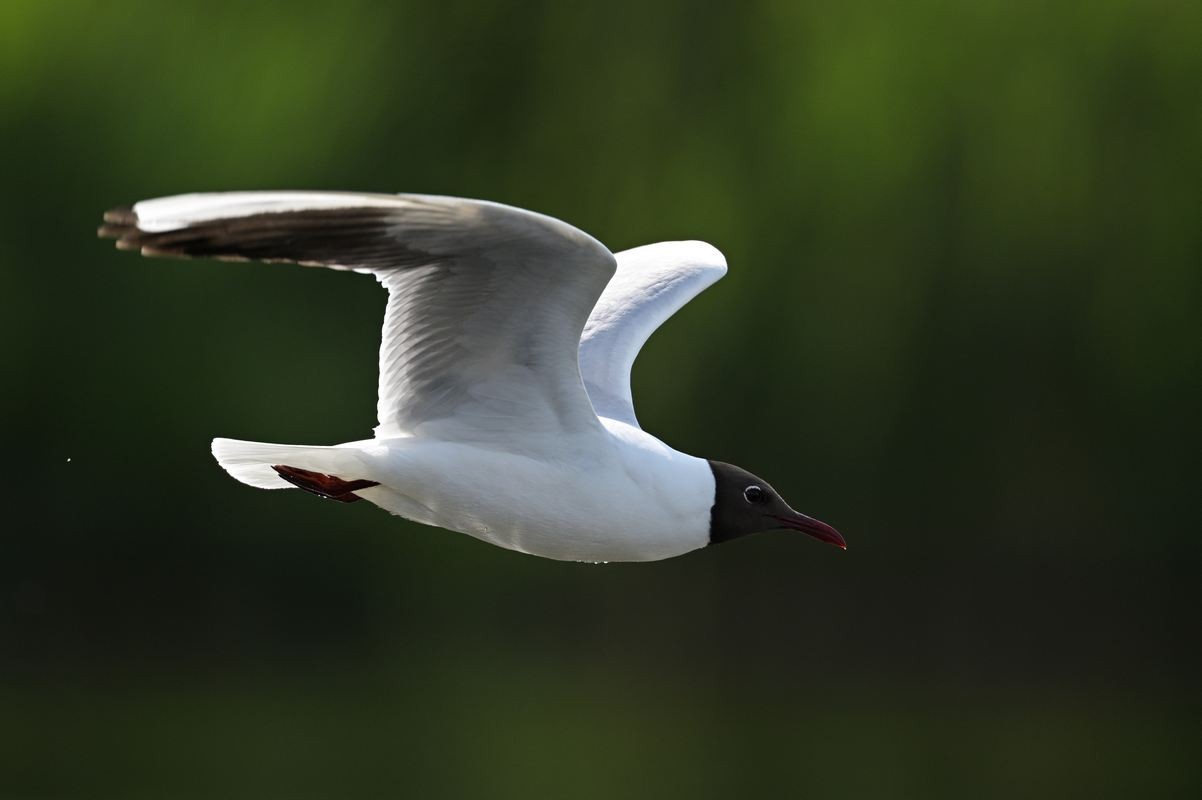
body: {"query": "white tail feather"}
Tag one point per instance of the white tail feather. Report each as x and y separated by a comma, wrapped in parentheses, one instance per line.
(251, 462)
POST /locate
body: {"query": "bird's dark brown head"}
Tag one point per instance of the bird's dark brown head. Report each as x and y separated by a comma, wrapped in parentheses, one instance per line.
(746, 504)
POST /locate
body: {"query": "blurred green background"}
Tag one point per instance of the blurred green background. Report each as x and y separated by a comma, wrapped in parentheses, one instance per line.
(962, 323)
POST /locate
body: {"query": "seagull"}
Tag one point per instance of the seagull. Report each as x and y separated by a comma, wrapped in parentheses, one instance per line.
(504, 401)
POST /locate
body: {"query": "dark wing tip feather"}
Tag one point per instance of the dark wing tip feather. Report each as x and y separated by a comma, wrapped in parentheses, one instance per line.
(118, 223)
(121, 223)
(122, 215)
(338, 237)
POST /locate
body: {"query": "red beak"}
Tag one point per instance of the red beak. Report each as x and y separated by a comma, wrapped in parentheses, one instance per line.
(819, 530)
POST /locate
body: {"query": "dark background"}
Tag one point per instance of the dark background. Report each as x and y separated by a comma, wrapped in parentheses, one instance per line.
(961, 323)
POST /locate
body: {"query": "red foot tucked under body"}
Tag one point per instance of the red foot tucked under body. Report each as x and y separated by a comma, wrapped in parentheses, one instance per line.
(323, 485)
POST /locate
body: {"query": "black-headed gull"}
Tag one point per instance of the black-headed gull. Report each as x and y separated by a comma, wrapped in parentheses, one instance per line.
(504, 400)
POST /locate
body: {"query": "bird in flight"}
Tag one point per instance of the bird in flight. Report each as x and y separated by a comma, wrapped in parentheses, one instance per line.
(504, 400)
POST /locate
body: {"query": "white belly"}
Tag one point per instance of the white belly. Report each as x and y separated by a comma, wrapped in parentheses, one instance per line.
(628, 498)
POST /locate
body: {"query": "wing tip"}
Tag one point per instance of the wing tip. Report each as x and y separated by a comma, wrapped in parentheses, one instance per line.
(704, 253)
(690, 254)
(121, 215)
(121, 223)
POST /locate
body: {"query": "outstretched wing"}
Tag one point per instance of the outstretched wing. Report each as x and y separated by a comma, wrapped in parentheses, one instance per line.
(486, 302)
(651, 284)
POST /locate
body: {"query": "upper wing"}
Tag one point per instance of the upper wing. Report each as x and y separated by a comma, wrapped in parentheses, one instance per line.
(486, 302)
(651, 284)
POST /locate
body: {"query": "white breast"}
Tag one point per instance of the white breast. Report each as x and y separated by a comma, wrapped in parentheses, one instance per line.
(620, 496)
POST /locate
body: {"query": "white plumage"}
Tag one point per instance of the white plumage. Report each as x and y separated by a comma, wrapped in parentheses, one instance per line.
(504, 407)
(651, 284)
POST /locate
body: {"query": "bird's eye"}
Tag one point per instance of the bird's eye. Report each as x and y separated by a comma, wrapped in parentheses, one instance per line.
(755, 494)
